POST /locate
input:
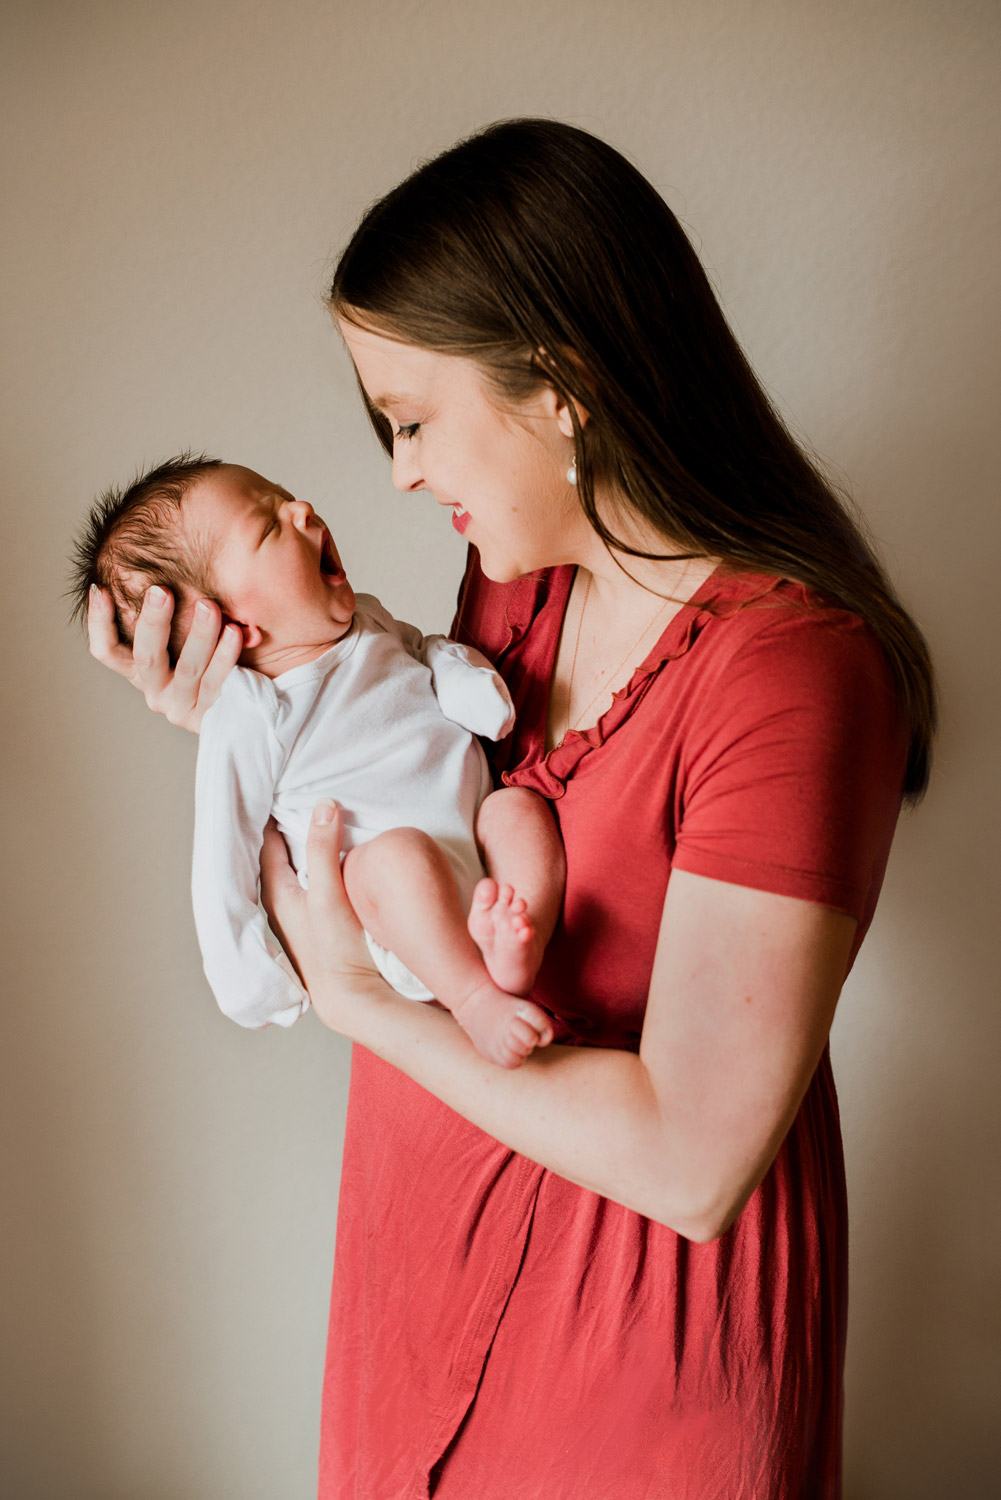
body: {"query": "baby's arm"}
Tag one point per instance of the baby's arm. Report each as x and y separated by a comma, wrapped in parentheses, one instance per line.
(469, 691)
(238, 754)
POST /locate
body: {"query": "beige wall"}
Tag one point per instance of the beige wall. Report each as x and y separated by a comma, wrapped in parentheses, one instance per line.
(177, 176)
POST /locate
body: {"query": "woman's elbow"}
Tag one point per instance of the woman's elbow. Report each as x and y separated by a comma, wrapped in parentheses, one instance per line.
(704, 1218)
(705, 1229)
(698, 1188)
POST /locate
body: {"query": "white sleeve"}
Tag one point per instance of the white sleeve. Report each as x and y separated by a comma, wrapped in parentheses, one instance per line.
(251, 977)
(469, 691)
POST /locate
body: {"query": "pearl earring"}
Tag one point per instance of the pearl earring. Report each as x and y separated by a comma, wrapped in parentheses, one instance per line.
(572, 473)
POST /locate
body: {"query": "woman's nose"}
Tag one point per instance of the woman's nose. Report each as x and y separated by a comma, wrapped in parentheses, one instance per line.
(406, 469)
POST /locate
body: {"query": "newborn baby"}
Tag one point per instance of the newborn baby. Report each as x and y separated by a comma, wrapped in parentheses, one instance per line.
(334, 698)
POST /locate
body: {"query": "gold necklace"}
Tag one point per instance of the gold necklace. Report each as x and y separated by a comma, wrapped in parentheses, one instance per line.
(576, 645)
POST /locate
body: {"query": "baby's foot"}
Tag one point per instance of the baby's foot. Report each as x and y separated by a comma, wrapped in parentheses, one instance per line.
(500, 926)
(501, 1027)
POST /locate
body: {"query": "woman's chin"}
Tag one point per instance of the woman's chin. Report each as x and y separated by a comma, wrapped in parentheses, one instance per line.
(499, 569)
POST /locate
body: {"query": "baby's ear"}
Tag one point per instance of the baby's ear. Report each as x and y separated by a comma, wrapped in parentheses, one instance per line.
(253, 635)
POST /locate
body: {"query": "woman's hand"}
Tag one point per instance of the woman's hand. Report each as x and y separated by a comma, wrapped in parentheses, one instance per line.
(318, 928)
(183, 693)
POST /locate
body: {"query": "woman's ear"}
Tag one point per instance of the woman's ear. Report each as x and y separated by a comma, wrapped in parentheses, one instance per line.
(564, 420)
(561, 410)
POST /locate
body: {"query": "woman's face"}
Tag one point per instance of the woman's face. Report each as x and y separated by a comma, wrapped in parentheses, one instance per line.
(501, 471)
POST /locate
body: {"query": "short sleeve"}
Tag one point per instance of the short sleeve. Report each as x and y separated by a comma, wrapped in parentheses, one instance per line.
(794, 767)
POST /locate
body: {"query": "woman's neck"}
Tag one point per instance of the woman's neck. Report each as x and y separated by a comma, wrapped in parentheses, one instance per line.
(624, 585)
(618, 608)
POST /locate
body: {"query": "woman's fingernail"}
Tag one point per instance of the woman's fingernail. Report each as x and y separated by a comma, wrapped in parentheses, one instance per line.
(156, 596)
(203, 609)
(323, 812)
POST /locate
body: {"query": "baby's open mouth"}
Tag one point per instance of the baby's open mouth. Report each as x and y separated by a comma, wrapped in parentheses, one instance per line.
(329, 566)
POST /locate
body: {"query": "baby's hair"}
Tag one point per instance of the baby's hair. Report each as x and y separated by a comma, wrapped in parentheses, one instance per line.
(133, 539)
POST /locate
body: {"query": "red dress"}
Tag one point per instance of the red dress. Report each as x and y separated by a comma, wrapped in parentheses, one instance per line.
(496, 1332)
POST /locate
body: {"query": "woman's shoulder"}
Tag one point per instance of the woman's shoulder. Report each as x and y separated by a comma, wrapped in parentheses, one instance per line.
(794, 747)
(762, 625)
(783, 676)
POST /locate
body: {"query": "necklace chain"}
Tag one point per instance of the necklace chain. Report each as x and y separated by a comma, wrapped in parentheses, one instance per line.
(576, 647)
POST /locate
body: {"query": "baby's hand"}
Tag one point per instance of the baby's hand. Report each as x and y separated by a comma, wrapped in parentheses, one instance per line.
(469, 690)
(182, 694)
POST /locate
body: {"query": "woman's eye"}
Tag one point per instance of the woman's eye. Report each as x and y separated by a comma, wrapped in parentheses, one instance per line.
(407, 432)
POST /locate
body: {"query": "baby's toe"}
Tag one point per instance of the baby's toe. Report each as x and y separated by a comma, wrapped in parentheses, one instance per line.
(539, 1024)
(485, 894)
(522, 1037)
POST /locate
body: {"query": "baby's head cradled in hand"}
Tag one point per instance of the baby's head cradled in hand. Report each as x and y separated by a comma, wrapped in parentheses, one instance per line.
(203, 529)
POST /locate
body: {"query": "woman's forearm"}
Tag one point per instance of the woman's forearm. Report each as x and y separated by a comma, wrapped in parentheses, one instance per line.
(588, 1114)
(740, 1004)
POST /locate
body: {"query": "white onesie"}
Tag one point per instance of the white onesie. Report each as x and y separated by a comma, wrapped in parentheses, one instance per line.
(385, 723)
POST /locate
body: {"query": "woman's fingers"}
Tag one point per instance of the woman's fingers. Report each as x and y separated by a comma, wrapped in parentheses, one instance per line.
(149, 644)
(278, 879)
(338, 957)
(340, 942)
(318, 929)
(189, 696)
(222, 661)
(102, 632)
(182, 693)
(282, 897)
(323, 855)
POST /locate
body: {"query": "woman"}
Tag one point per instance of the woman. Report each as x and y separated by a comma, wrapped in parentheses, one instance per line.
(618, 1272)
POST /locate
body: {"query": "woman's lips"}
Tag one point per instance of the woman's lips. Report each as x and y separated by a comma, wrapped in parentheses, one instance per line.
(460, 519)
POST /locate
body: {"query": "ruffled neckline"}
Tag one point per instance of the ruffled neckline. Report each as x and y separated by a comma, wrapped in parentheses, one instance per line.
(722, 594)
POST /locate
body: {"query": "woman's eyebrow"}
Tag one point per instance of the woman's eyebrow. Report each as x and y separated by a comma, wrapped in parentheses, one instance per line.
(381, 403)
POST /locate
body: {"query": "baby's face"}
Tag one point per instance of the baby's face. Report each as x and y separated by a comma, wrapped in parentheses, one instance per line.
(274, 567)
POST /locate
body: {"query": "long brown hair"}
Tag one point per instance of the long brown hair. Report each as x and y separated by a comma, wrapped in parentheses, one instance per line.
(540, 252)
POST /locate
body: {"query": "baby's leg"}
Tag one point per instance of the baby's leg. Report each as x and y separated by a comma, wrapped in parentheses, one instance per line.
(403, 890)
(515, 909)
